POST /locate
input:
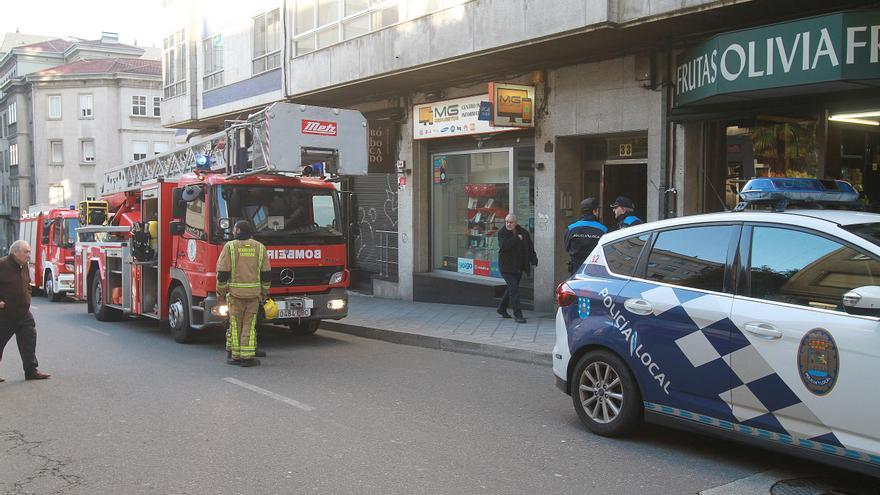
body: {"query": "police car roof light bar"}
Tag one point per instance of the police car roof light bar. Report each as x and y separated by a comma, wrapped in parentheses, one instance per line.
(783, 192)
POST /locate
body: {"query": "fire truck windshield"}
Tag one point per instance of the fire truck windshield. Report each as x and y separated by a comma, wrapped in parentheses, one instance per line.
(68, 234)
(280, 215)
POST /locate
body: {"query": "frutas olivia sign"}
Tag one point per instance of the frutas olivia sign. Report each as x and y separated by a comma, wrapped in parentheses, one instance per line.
(837, 47)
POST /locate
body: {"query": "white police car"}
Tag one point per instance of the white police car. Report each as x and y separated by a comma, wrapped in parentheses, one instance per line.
(762, 326)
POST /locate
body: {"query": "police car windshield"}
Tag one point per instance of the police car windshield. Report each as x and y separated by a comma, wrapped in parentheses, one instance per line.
(281, 215)
(869, 231)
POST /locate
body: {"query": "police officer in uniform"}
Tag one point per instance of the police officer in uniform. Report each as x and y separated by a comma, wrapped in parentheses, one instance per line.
(243, 279)
(583, 235)
(623, 208)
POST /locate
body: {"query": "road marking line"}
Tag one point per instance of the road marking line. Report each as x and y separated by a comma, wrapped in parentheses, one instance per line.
(105, 334)
(269, 393)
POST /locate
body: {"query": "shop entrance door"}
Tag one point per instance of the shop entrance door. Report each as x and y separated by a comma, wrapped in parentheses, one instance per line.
(624, 178)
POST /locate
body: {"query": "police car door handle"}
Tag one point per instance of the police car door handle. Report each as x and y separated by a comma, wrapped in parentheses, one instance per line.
(639, 306)
(763, 330)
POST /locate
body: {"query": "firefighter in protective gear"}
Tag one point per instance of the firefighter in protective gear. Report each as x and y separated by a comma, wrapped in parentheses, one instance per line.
(243, 279)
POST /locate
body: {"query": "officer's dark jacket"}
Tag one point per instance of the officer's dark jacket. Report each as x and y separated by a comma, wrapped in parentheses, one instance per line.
(514, 255)
(581, 237)
(627, 220)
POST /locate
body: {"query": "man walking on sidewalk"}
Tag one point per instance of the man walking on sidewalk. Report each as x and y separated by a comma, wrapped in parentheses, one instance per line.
(516, 254)
(243, 280)
(15, 309)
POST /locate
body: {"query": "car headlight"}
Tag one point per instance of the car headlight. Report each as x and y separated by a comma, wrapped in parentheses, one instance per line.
(221, 310)
(336, 304)
(337, 278)
(68, 267)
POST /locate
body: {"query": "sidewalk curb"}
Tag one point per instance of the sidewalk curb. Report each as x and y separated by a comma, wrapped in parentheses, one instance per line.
(441, 343)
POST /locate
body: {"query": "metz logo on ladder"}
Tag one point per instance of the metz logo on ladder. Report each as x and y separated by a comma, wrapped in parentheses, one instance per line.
(319, 127)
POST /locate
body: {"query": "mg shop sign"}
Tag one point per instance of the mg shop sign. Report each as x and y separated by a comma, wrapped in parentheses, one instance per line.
(831, 48)
(458, 117)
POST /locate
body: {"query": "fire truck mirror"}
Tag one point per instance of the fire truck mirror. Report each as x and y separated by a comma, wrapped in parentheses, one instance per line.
(354, 229)
(178, 207)
(176, 228)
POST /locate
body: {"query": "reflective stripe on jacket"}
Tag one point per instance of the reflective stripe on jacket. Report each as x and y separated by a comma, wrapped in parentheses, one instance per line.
(243, 270)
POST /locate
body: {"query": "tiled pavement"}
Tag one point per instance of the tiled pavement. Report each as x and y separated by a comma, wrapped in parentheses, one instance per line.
(469, 329)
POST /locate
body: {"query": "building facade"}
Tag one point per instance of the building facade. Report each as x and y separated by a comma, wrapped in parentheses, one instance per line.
(70, 109)
(623, 98)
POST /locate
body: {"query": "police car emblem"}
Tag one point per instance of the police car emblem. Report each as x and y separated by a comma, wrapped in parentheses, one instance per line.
(583, 307)
(818, 361)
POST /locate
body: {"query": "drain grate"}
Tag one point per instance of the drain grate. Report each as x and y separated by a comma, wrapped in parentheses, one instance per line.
(825, 486)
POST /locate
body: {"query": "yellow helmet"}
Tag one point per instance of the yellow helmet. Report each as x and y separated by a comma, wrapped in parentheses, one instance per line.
(271, 309)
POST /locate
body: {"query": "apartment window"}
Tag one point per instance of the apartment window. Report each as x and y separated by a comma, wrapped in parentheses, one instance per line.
(56, 194)
(87, 191)
(4, 123)
(320, 23)
(13, 195)
(11, 114)
(13, 154)
(86, 110)
(159, 148)
(139, 150)
(55, 107)
(56, 153)
(267, 42)
(87, 151)
(157, 106)
(175, 64)
(213, 51)
(139, 106)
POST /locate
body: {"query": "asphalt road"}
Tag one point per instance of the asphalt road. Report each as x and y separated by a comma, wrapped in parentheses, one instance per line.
(128, 410)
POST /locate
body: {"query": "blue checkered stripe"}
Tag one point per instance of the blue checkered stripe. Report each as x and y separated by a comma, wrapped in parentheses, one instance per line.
(763, 434)
(759, 400)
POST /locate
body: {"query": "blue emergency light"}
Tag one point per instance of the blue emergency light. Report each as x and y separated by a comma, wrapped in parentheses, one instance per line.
(783, 191)
(202, 161)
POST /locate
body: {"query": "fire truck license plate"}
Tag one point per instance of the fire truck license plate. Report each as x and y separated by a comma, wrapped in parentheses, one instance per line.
(294, 313)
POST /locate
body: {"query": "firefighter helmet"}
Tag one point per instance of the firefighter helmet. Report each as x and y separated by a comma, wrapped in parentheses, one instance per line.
(271, 309)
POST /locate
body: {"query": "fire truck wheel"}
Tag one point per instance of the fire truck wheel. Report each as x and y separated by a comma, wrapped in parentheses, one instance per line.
(102, 312)
(50, 289)
(178, 316)
(304, 328)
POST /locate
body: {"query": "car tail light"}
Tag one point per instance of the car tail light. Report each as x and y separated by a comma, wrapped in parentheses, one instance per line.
(565, 296)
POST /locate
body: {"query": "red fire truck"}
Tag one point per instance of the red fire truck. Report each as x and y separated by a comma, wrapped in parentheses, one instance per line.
(51, 233)
(171, 215)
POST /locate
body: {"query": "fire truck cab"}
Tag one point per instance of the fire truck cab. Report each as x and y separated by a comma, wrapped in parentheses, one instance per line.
(51, 233)
(157, 256)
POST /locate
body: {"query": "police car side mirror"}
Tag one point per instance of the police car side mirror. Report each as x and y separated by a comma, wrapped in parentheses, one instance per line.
(176, 228)
(863, 301)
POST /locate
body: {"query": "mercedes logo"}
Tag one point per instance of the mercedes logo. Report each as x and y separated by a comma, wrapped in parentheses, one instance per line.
(286, 276)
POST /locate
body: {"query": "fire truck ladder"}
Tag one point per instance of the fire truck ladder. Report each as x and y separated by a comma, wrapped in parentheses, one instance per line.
(170, 165)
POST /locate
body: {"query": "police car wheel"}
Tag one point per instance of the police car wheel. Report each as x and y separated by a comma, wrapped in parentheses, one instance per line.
(606, 396)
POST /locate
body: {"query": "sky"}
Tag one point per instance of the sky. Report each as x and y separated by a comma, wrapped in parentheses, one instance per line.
(134, 20)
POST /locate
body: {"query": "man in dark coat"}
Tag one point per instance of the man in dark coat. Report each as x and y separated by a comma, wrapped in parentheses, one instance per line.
(15, 309)
(582, 236)
(516, 255)
(623, 208)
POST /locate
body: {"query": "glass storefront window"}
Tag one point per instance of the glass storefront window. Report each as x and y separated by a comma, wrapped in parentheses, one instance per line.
(471, 196)
(766, 148)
